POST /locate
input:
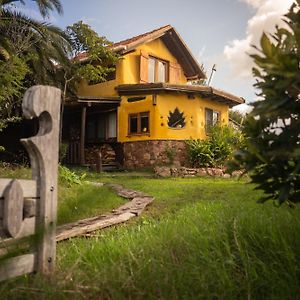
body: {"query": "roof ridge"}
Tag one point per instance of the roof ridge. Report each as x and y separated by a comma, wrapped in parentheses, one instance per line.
(139, 36)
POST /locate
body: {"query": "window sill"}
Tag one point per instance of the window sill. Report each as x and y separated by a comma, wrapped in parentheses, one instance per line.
(138, 134)
(174, 128)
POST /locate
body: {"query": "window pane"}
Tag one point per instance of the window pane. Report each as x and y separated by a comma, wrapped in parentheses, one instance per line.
(208, 119)
(216, 117)
(90, 129)
(151, 69)
(112, 125)
(161, 76)
(101, 127)
(133, 124)
(145, 122)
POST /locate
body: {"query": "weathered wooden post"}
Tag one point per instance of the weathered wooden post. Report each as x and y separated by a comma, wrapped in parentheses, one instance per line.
(29, 207)
(99, 162)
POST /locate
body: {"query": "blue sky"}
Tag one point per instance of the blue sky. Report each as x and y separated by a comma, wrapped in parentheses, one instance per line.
(217, 31)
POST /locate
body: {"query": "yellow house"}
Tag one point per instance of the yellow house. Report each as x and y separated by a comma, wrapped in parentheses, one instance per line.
(150, 107)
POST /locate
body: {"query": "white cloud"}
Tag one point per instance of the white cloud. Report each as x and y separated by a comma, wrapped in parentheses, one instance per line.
(243, 108)
(268, 14)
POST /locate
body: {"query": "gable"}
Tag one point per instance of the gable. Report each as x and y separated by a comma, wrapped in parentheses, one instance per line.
(173, 42)
(157, 51)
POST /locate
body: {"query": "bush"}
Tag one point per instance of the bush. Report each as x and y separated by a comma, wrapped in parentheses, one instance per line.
(63, 149)
(272, 155)
(216, 149)
(69, 177)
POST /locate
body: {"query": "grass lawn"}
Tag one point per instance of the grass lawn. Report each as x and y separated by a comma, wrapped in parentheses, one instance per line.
(202, 238)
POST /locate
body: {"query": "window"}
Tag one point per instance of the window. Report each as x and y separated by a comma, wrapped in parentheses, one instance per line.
(101, 127)
(176, 119)
(157, 70)
(112, 125)
(212, 117)
(138, 123)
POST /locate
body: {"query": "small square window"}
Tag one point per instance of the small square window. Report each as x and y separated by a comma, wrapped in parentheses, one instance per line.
(139, 123)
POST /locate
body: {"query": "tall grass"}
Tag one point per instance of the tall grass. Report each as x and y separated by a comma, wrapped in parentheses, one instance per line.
(84, 201)
(75, 201)
(201, 239)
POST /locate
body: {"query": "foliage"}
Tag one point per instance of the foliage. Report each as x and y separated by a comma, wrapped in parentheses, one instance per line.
(98, 64)
(216, 149)
(99, 59)
(63, 149)
(69, 177)
(12, 74)
(236, 117)
(29, 53)
(273, 127)
(170, 152)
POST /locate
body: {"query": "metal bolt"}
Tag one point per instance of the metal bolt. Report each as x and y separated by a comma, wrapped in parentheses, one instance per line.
(52, 188)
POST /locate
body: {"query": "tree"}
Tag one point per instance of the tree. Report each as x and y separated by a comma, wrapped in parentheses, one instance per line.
(272, 155)
(29, 53)
(237, 117)
(98, 63)
(99, 58)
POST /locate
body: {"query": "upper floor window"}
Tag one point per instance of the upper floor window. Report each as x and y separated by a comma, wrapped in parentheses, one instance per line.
(157, 70)
(138, 123)
(212, 117)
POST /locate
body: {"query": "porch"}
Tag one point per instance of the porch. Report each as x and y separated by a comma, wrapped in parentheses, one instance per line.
(90, 132)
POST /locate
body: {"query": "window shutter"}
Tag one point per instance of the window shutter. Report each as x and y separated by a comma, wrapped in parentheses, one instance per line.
(144, 67)
(174, 75)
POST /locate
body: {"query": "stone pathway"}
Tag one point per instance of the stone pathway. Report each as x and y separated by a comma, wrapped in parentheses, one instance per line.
(138, 202)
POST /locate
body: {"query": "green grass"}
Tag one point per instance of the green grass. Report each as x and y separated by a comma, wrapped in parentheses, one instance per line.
(84, 201)
(202, 238)
(75, 202)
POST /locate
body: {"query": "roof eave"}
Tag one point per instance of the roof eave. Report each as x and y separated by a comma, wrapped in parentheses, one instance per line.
(204, 91)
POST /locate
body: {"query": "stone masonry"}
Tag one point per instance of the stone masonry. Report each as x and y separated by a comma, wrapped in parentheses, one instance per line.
(143, 154)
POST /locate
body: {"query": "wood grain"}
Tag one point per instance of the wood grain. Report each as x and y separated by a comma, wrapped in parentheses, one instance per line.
(13, 208)
(17, 266)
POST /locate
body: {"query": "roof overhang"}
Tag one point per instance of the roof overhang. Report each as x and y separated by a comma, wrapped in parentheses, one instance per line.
(173, 42)
(176, 46)
(99, 100)
(204, 91)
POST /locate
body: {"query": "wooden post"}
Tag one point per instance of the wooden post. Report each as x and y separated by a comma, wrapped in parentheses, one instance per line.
(82, 135)
(44, 102)
(28, 207)
(99, 162)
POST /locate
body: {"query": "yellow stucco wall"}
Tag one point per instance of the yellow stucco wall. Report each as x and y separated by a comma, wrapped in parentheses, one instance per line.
(128, 72)
(193, 109)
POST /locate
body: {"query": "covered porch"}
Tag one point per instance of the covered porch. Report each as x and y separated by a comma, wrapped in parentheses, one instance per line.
(90, 131)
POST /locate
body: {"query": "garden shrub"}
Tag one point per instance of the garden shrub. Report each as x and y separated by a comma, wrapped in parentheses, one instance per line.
(69, 177)
(272, 152)
(216, 149)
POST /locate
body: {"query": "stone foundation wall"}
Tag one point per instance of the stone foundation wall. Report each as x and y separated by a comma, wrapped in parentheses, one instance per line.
(143, 154)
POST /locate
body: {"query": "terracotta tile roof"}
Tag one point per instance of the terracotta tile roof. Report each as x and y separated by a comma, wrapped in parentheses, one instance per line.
(84, 55)
(81, 56)
(140, 36)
